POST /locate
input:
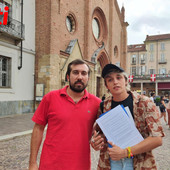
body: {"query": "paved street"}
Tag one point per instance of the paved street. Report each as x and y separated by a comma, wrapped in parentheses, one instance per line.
(14, 153)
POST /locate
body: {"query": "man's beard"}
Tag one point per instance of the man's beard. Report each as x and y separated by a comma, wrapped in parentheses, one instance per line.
(77, 88)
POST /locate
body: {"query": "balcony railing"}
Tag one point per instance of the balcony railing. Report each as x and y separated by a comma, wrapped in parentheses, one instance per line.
(142, 61)
(13, 29)
(162, 61)
(133, 62)
(148, 77)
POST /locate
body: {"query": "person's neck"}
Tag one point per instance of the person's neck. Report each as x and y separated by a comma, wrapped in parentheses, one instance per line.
(120, 97)
(75, 95)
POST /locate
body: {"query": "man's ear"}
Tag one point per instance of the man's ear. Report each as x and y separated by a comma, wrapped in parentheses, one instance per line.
(67, 77)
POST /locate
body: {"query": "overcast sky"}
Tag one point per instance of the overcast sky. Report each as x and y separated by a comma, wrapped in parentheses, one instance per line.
(146, 17)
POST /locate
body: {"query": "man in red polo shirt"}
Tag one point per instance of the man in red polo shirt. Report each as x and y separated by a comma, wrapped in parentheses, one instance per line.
(70, 114)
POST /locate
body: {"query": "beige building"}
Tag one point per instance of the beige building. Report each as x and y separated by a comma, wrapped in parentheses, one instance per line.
(94, 31)
(150, 58)
(17, 57)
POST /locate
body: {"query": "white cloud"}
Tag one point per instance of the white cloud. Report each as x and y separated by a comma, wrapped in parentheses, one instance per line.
(146, 17)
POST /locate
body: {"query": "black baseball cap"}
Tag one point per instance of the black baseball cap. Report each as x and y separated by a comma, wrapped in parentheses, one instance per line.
(109, 68)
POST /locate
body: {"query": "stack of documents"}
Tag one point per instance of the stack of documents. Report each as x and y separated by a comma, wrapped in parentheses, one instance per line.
(118, 126)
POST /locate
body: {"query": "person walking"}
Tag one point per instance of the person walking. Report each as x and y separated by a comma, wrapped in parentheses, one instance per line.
(70, 113)
(152, 96)
(168, 110)
(146, 118)
(162, 107)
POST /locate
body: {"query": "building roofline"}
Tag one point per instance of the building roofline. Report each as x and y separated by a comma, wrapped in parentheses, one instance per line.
(157, 37)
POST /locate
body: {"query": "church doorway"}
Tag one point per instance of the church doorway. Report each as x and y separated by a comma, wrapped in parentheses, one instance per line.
(98, 89)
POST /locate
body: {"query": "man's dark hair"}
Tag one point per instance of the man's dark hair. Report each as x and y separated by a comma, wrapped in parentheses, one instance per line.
(152, 94)
(76, 62)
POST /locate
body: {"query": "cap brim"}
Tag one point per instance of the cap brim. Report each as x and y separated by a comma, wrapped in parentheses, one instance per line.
(109, 68)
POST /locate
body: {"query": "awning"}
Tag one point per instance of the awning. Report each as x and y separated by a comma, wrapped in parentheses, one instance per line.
(163, 86)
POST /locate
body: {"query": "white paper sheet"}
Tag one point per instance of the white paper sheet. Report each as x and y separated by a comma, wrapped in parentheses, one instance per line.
(119, 128)
(129, 114)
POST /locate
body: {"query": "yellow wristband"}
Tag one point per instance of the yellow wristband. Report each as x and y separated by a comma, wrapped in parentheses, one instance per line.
(130, 155)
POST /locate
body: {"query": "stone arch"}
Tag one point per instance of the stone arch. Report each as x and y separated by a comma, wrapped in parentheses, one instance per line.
(103, 58)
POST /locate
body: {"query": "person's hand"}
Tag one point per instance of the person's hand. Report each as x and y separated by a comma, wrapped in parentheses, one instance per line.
(116, 153)
(97, 141)
(33, 166)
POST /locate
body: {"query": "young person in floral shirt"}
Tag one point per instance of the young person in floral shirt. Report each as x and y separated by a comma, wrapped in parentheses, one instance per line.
(146, 118)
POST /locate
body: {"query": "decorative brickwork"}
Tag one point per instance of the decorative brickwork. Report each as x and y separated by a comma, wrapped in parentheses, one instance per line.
(56, 46)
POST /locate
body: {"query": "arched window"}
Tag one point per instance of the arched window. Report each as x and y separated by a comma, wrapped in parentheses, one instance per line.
(71, 23)
(99, 26)
(115, 51)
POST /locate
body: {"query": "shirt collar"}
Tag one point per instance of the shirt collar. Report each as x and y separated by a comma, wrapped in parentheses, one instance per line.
(63, 91)
(136, 96)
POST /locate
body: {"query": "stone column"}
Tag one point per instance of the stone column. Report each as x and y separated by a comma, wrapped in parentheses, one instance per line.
(156, 88)
(141, 87)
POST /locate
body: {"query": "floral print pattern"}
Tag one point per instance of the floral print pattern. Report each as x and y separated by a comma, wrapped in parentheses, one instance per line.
(146, 117)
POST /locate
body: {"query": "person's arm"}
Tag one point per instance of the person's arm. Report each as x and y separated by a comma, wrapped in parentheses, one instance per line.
(163, 103)
(148, 144)
(97, 141)
(36, 140)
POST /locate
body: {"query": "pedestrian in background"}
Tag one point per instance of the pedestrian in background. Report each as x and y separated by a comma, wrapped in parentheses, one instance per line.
(146, 118)
(70, 114)
(152, 96)
(163, 108)
(168, 110)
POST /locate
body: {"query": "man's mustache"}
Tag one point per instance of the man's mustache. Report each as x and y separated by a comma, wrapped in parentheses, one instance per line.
(79, 81)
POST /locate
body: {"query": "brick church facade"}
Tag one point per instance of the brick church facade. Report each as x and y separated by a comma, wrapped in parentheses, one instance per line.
(94, 31)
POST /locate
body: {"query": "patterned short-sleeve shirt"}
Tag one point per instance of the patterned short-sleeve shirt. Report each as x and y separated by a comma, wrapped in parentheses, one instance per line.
(146, 117)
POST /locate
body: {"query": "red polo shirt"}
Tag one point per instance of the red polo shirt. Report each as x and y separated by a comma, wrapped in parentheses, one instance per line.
(66, 146)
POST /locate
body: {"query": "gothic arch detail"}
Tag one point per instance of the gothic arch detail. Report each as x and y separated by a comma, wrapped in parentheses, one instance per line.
(103, 58)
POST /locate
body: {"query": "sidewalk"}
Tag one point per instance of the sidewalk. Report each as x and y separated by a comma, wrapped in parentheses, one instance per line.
(15, 152)
(15, 125)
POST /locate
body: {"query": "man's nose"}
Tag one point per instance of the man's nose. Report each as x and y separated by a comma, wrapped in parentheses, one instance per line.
(115, 81)
(79, 76)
